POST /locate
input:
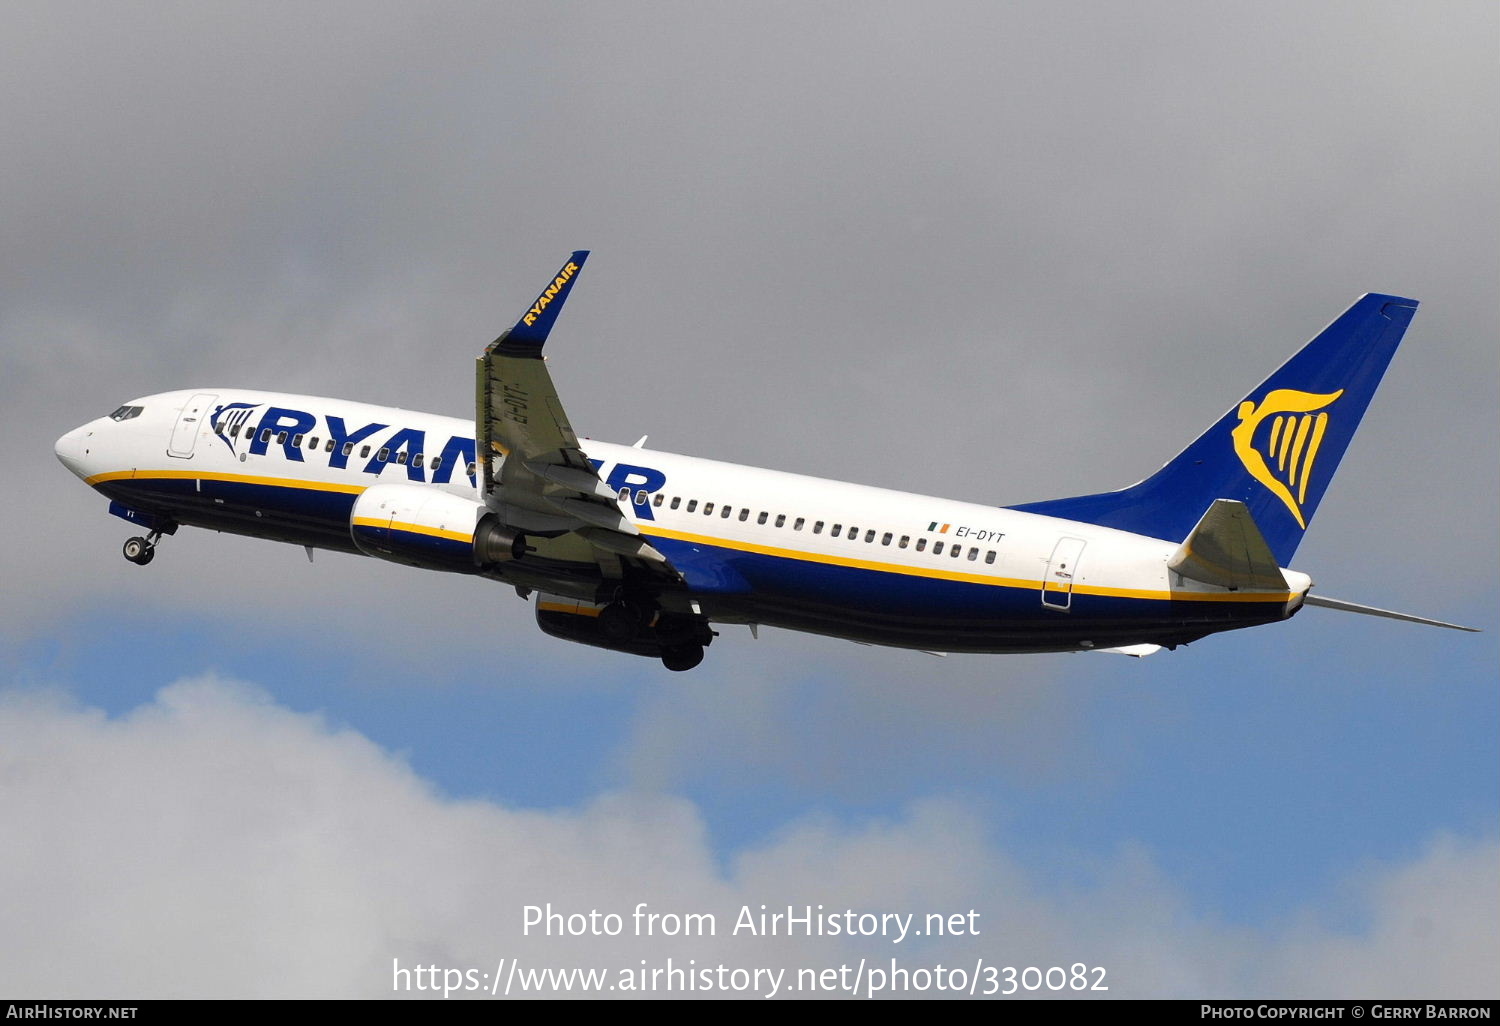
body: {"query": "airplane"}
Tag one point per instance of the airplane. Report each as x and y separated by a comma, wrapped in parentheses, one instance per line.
(643, 552)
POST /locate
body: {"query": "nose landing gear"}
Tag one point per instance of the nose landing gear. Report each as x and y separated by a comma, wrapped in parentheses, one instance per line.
(141, 551)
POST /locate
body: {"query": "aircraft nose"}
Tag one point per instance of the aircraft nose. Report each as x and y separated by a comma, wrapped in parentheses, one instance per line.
(72, 448)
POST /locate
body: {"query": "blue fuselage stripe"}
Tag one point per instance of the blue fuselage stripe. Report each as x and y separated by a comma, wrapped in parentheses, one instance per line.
(803, 593)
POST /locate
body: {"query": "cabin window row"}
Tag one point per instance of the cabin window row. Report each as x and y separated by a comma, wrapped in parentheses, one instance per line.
(383, 455)
(852, 532)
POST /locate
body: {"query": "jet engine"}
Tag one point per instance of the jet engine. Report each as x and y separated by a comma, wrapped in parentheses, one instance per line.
(422, 526)
(677, 640)
(584, 622)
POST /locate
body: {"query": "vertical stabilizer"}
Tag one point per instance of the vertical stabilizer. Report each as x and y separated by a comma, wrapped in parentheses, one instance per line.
(1276, 450)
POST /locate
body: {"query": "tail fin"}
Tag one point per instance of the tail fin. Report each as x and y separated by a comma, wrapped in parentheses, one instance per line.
(1276, 450)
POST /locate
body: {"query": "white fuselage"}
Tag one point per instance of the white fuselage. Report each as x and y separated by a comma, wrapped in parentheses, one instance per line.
(752, 545)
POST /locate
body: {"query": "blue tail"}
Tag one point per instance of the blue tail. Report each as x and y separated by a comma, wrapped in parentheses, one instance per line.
(1276, 450)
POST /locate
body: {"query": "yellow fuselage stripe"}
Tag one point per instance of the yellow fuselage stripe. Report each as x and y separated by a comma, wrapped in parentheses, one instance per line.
(952, 575)
(189, 475)
(652, 530)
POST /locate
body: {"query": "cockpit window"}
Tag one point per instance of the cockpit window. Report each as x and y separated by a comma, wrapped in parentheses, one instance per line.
(126, 412)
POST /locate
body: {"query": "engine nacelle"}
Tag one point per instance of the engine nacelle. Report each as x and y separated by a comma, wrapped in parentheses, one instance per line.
(430, 528)
(577, 620)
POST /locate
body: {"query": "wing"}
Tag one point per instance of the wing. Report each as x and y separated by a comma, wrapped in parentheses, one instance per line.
(534, 475)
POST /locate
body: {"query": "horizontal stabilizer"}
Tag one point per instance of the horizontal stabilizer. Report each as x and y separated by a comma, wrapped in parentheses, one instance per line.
(1355, 607)
(1227, 549)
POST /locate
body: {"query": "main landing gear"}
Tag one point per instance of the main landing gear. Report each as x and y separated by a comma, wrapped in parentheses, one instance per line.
(141, 551)
(682, 657)
(681, 638)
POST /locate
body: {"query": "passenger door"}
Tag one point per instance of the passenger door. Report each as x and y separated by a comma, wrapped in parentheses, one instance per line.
(189, 423)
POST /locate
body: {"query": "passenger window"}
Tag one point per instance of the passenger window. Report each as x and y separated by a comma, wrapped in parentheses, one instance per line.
(904, 539)
(818, 527)
(657, 500)
(384, 454)
(692, 506)
(624, 494)
(745, 514)
(921, 544)
(364, 450)
(348, 447)
(234, 432)
(762, 518)
(676, 501)
(297, 441)
(885, 539)
(973, 555)
(781, 520)
(955, 551)
(471, 468)
(937, 548)
(728, 509)
(989, 557)
(797, 524)
(708, 509)
(401, 457)
(641, 498)
(853, 534)
(265, 436)
(436, 465)
(281, 438)
(328, 445)
(416, 460)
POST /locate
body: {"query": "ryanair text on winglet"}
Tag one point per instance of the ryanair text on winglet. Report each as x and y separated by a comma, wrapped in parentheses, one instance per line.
(549, 293)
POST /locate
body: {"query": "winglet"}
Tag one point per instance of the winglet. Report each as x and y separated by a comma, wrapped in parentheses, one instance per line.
(530, 332)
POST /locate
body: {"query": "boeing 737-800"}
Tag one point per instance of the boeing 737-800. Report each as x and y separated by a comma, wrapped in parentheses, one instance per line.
(643, 551)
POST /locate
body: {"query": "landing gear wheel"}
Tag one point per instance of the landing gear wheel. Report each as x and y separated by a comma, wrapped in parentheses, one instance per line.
(682, 657)
(139, 551)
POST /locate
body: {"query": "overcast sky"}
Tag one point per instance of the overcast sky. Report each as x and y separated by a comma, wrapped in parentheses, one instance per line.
(998, 252)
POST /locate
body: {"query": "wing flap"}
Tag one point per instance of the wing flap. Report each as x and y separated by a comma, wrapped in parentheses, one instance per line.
(585, 482)
(633, 546)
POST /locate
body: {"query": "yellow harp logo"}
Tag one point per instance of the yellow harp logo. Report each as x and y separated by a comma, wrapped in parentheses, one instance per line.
(1284, 460)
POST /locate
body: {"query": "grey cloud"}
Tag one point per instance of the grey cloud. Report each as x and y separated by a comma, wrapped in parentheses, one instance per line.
(997, 253)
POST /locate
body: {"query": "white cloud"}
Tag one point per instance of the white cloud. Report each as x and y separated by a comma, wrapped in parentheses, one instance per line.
(214, 843)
